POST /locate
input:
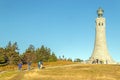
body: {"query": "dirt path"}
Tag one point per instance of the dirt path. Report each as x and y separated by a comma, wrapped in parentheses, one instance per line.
(18, 76)
(33, 72)
(2, 72)
(63, 66)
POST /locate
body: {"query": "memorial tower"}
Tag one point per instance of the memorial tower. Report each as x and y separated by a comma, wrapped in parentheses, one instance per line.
(100, 53)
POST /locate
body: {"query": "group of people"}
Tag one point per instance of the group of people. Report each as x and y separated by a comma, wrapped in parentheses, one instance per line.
(97, 61)
(40, 65)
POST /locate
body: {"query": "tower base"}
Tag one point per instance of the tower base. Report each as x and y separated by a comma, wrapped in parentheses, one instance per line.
(100, 61)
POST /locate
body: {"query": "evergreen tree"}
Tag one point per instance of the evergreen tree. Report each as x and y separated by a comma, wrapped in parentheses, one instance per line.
(78, 60)
(11, 52)
(69, 59)
(29, 54)
(44, 54)
(53, 57)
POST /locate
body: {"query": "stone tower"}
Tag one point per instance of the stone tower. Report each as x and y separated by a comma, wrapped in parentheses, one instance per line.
(100, 53)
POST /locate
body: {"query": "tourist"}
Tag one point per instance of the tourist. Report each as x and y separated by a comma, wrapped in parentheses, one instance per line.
(97, 61)
(29, 65)
(20, 66)
(106, 62)
(39, 64)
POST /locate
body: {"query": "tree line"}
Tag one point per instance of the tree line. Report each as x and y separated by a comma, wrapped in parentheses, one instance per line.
(10, 54)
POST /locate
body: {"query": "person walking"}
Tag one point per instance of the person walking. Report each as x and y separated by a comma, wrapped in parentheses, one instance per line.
(20, 66)
(39, 64)
(29, 65)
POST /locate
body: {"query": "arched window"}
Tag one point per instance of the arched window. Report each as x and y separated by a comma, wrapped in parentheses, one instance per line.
(102, 24)
(99, 24)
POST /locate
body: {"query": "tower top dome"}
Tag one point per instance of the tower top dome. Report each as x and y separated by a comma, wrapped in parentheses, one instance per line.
(100, 12)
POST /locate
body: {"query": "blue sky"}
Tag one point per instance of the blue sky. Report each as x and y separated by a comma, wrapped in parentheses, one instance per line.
(65, 26)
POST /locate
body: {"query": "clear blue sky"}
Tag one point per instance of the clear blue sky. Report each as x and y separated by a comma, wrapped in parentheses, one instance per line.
(65, 26)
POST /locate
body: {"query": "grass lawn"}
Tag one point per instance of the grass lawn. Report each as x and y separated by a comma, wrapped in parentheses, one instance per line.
(66, 72)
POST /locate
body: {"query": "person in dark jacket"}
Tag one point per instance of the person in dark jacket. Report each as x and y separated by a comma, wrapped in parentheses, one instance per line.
(20, 66)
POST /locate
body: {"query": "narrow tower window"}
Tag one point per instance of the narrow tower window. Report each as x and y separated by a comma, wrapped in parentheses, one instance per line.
(99, 24)
(102, 24)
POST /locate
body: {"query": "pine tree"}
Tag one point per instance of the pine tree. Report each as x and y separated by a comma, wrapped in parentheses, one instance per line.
(11, 52)
(29, 54)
